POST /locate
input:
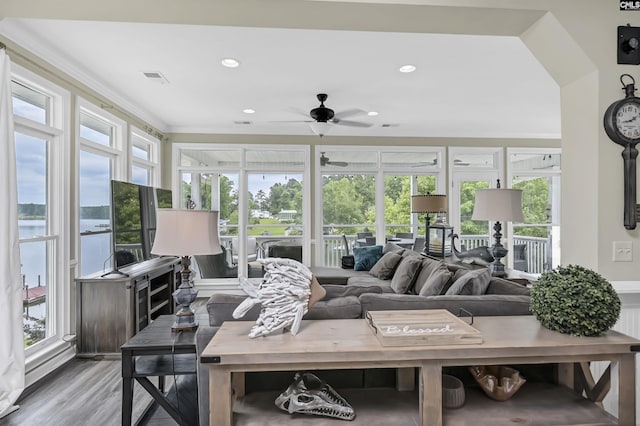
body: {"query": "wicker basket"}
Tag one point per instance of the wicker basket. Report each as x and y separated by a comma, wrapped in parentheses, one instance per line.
(452, 392)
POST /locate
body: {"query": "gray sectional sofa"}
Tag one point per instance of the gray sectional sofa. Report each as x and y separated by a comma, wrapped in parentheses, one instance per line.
(402, 280)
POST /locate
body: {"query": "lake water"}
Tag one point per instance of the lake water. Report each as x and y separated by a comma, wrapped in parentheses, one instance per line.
(96, 250)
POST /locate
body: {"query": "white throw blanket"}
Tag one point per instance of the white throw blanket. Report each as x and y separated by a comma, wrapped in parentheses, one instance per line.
(284, 296)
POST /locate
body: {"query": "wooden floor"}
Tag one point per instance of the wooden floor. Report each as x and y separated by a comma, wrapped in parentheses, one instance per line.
(89, 392)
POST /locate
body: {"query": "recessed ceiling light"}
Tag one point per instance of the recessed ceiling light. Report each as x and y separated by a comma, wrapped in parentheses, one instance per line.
(249, 111)
(372, 113)
(230, 63)
(407, 68)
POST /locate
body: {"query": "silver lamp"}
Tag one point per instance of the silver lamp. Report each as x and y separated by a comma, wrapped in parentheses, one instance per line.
(498, 205)
(185, 233)
(429, 203)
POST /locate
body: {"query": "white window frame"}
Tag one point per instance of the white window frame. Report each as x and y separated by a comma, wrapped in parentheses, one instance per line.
(556, 223)
(45, 355)
(116, 153)
(141, 139)
(231, 284)
(379, 174)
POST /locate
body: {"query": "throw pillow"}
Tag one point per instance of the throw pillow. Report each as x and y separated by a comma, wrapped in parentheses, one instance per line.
(474, 282)
(406, 274)
(386, 266)
(428, 266)
(366, 257)
(392, 247)
(438, 278)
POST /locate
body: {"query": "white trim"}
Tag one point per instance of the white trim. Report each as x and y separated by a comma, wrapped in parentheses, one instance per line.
(40, 356)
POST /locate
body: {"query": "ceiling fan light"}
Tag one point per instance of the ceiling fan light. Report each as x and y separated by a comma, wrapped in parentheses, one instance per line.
(320, 128)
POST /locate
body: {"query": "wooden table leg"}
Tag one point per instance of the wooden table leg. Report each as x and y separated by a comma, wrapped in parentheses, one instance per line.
(431, 393)
(627, 389)
(127, 387)
(220, 397)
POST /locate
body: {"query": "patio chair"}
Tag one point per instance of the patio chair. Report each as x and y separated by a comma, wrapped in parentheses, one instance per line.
(252, 250)
(404, 235)
(215, 265)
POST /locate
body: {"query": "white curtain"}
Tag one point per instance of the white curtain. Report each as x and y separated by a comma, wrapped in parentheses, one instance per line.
(11, 334)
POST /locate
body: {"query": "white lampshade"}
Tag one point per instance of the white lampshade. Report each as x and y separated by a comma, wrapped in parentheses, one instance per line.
(498, 205)
(320, 128)
(186, 232)
(430, 203)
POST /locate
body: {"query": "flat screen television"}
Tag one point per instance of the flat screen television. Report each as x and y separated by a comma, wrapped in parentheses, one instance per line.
(133, 218)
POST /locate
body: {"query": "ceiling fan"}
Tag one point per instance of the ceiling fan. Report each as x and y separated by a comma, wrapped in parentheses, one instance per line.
(324, 116)
(325, 161)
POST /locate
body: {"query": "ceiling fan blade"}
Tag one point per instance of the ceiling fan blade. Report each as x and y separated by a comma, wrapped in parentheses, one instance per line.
(338, 163)
(349, 113)
(290, 121)
(351, 123)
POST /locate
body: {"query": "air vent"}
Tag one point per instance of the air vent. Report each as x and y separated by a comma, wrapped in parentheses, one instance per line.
(242, 122)
(155, 76)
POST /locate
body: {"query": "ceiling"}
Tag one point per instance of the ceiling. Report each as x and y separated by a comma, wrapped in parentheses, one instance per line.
(464, 86)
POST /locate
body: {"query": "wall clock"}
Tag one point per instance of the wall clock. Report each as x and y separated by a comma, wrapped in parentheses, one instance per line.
(622, 125)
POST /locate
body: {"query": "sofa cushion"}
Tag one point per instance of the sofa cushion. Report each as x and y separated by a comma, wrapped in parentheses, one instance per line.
(332, 275)
(428, 266)
(406, 274)
(366, 257)
(472, 282)
(347, 307)
(391, 247)
(386, 266)
(501, 286)
(436, 281)
(368, 281)
(333, 291)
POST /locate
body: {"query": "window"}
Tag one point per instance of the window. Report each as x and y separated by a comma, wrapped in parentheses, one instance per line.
(40, 113)
(100, 160)
(144, 159)
(367, 191)
(261, 193)
(536, 242)
(471, 169)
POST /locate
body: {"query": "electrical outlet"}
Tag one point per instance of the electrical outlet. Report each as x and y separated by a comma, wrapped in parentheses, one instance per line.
(622, 251)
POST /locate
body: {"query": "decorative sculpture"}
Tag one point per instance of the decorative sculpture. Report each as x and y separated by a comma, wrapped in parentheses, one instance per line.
(308, 394)
(498, 382)
(479, 255)
(284, 295)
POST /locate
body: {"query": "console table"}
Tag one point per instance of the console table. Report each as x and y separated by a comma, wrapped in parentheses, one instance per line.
(335, 344)
(157, 352)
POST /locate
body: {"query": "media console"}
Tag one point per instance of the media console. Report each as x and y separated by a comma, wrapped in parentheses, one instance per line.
(111, 309)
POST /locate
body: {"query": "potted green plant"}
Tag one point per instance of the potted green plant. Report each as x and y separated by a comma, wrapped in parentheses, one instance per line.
(575, 300)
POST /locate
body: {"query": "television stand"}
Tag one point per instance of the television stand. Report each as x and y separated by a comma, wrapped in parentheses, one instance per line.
(111, 308)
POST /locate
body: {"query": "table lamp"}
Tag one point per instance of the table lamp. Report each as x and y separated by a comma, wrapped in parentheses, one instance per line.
(498, 205)
(429, 203)
(185, 233)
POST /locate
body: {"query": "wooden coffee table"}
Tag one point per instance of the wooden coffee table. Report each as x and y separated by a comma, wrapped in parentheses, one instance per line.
(347, 344)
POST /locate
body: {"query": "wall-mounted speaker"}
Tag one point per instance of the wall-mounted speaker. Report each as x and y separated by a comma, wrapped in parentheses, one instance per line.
(629, 45)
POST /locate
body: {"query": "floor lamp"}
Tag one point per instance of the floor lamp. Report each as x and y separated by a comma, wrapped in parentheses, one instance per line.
(185, 233)
(429, 203)
(499, 205)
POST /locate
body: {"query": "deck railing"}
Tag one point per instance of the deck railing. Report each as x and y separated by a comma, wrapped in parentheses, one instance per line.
(537, 249)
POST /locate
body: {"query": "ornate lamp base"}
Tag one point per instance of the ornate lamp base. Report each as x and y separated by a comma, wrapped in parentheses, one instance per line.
(185, 295)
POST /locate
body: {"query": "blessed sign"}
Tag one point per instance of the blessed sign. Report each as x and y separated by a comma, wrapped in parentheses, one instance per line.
(421, 327)
(414, 330)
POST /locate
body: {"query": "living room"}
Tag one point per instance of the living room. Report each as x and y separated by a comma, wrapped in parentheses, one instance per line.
(579, 57)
